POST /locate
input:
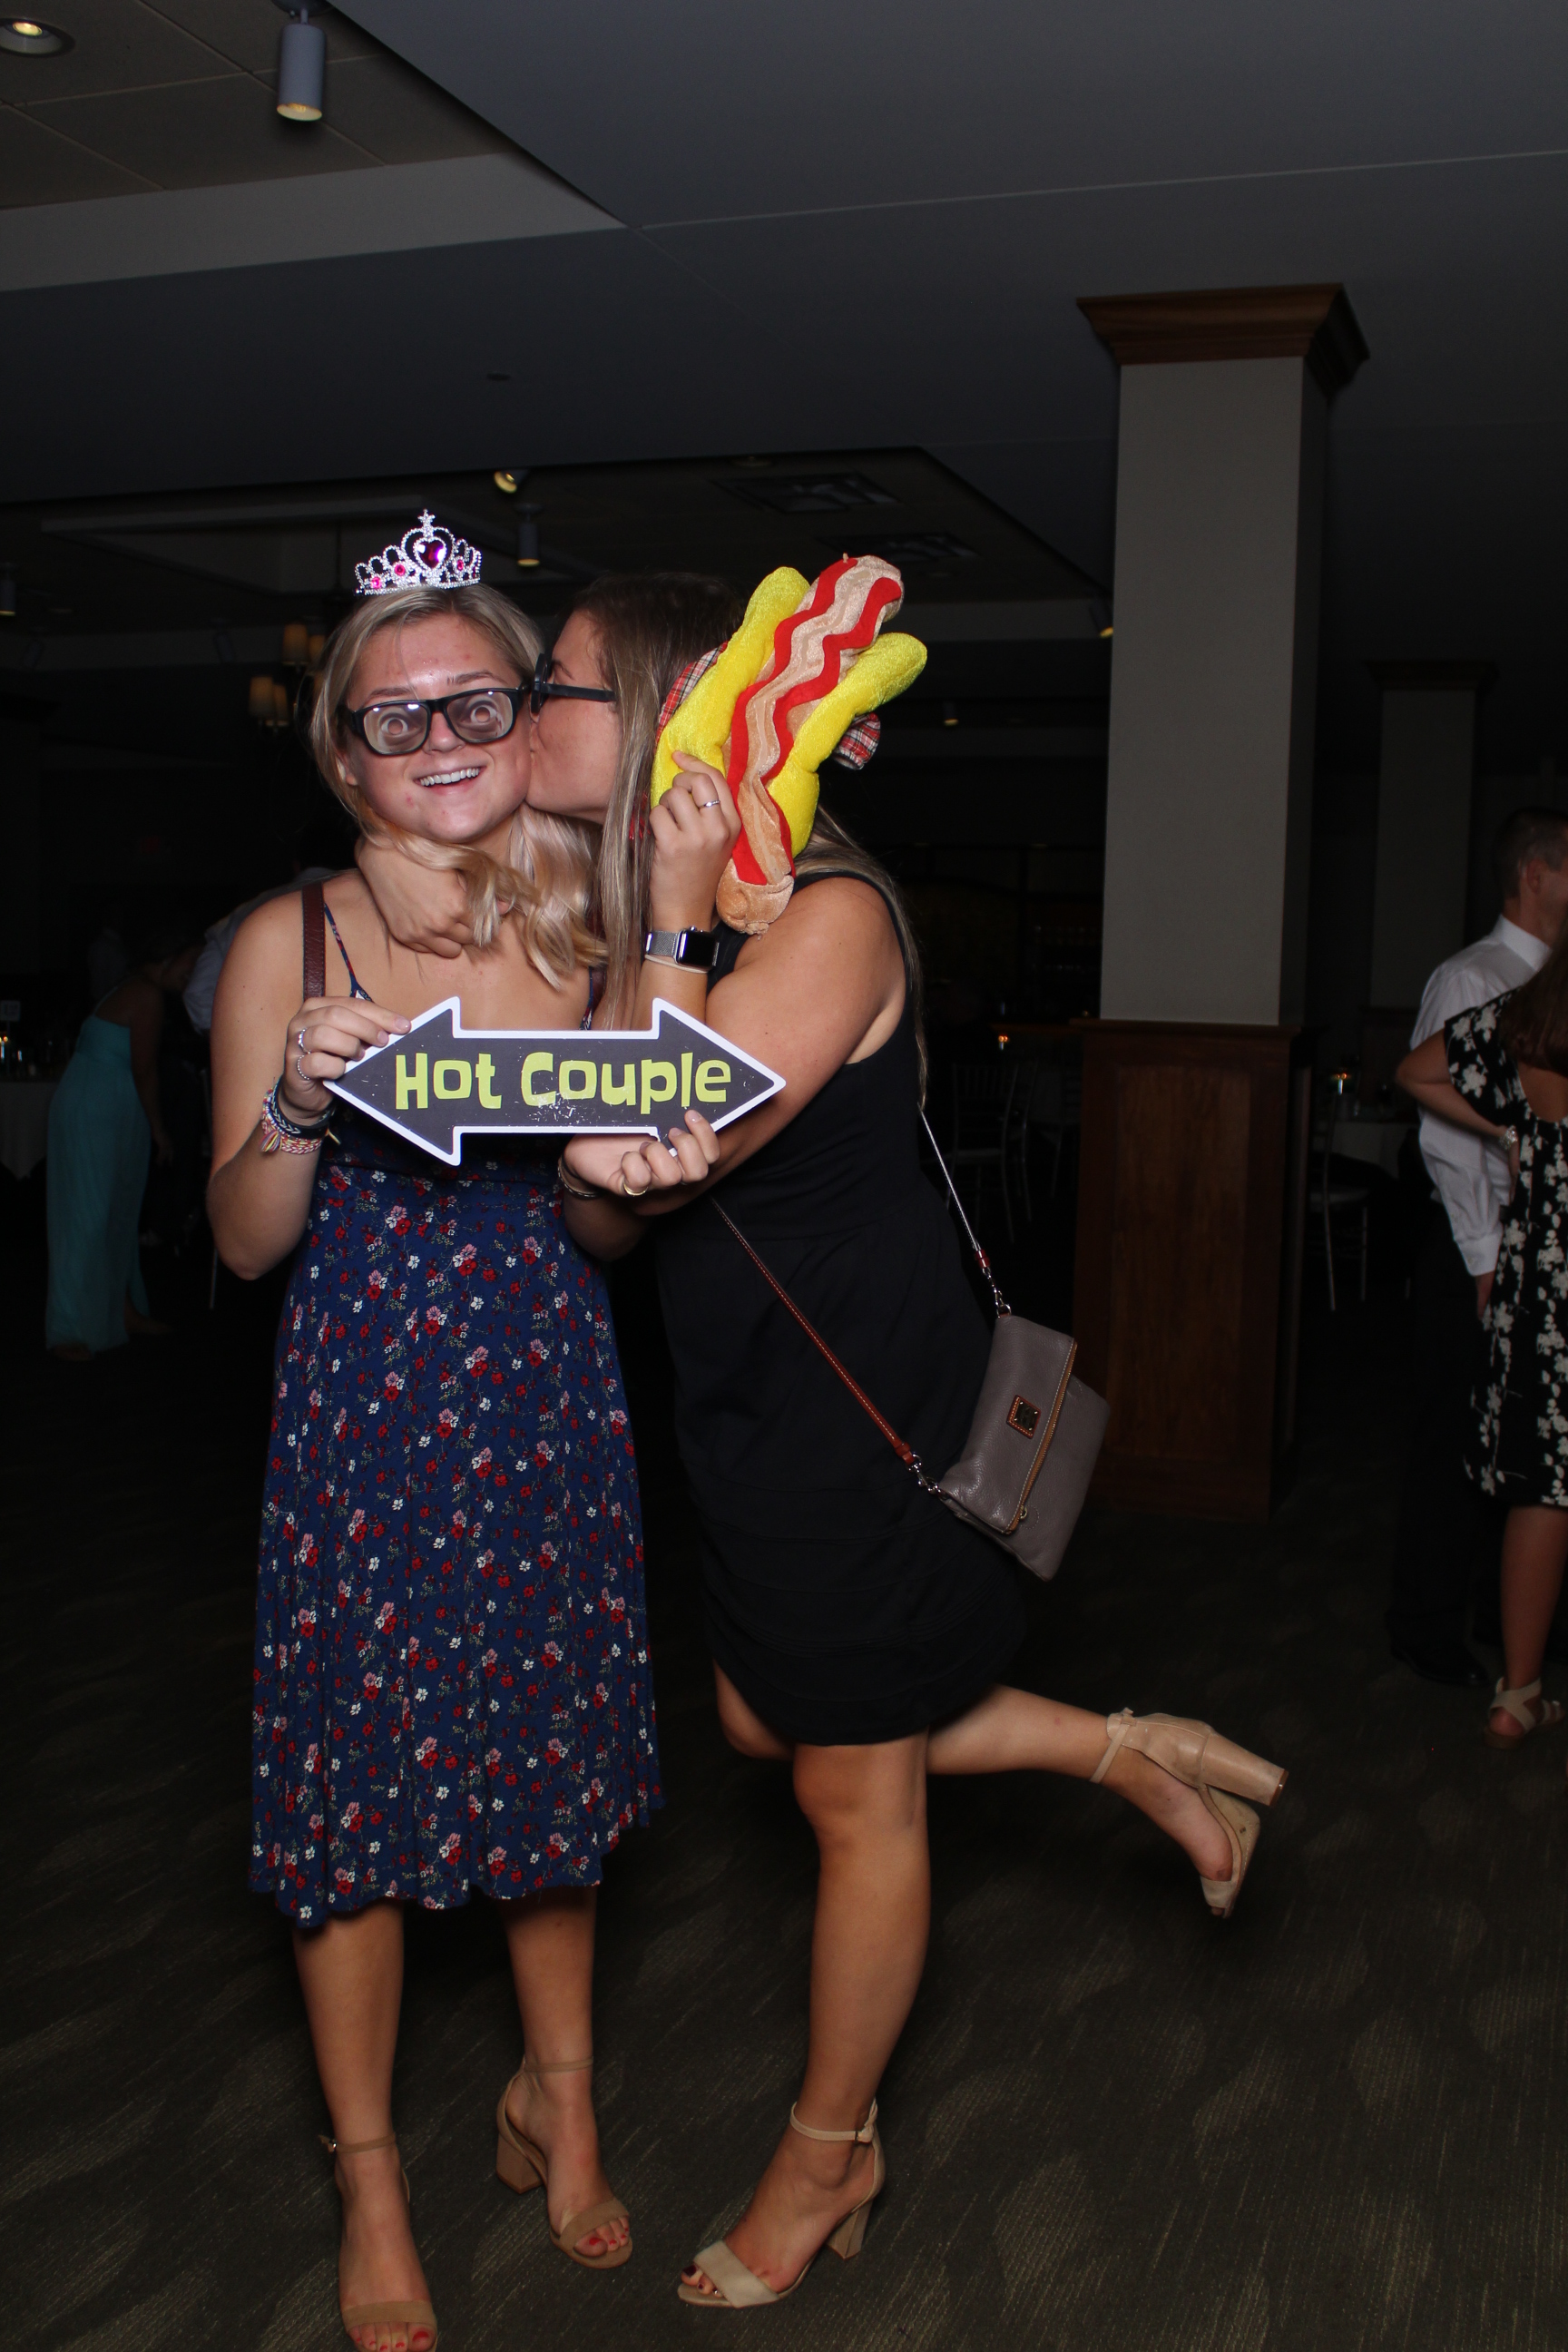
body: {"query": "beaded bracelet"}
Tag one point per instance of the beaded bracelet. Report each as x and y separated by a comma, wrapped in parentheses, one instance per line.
(280, 1133)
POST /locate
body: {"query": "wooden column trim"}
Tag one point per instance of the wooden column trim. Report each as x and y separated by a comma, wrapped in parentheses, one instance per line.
(1242, 322)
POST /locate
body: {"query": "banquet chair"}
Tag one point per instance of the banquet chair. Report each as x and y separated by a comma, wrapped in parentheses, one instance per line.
(1016, 1130)
(1058, 1111)
(1350, 1203)
(983, 1096)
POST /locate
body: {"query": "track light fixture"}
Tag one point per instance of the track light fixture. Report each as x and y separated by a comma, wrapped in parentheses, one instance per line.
(24, 37)
(301, 64)
(527, 538)
(510, 480)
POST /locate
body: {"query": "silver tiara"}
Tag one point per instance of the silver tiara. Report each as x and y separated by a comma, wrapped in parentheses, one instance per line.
(425, 557)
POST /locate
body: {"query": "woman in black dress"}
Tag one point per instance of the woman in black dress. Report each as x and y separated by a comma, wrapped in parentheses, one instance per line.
(858, 1629)
(1502, 1071)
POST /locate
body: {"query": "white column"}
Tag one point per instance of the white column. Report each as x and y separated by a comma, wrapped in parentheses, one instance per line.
(1219, 531)
(1424, 796)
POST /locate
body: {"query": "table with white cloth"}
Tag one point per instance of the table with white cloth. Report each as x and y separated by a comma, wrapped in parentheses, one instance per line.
(1376, 1137)
(24, 1122)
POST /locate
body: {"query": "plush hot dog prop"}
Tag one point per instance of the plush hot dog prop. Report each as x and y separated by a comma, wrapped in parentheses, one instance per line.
(808, 662)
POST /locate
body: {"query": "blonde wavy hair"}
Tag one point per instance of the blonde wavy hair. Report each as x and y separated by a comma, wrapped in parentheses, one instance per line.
(546, 885)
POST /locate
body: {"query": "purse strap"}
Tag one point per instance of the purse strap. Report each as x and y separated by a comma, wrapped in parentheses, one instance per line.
(313, 929)
(905, 1452)
(981, 1259)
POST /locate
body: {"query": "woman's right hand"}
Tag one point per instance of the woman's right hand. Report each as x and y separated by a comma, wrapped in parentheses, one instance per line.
(324, 1036)
(695, 827)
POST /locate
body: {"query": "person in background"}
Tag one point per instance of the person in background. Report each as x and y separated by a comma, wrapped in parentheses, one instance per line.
(1502, 1072)
(105, 1122)
(107, 959)
(1438, 1528)
(324, 849)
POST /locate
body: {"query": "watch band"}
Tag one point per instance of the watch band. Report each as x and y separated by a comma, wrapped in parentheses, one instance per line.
(693, 950)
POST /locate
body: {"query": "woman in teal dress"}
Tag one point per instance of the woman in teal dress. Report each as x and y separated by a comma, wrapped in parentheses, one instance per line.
(105, 1122)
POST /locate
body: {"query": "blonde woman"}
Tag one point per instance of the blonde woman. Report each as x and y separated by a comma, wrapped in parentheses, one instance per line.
(452, 1687)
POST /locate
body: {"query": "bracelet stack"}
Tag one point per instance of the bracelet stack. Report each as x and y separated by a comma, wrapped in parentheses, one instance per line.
(578, 1191)
(281, 1133)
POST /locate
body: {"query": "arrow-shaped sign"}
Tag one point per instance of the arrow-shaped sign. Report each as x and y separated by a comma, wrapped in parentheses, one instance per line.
(442, 1081)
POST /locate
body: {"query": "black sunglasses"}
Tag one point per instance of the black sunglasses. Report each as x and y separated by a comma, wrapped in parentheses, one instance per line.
(545, 691)
(480, 714)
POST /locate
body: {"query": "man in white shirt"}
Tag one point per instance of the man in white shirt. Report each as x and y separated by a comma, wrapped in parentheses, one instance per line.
(1439, 1529)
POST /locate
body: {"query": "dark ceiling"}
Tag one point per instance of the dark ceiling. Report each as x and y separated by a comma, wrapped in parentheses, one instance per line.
(827, 229)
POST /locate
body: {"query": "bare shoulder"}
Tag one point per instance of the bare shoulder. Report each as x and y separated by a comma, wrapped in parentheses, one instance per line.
(267, 953)
(839, 915)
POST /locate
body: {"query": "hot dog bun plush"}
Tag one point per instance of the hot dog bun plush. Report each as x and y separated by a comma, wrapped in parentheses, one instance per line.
(808, 662)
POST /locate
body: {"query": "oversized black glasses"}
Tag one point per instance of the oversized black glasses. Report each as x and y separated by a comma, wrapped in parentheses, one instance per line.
(480, 714)
(546, 690)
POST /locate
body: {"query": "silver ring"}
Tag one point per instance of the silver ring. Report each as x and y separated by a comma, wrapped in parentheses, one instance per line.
(299, 1039)
(300, 1066)
(705, 803)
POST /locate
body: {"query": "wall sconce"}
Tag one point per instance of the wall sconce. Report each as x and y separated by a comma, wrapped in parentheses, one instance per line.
(315, 646)
(296, 644)
(528, 539)
(270, 707)
(301, 66)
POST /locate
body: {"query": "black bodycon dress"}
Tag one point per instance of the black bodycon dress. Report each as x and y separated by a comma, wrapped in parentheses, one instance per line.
(845, 1605)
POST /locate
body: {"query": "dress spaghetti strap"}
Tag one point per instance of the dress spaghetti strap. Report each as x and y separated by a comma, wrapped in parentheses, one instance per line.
(354, 988)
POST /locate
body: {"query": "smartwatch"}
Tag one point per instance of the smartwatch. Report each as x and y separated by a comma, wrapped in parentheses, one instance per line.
(691, 950)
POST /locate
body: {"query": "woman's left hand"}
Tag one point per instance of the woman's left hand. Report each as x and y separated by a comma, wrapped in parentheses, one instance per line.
(695, 827)
(626, 1169)
(423, 907)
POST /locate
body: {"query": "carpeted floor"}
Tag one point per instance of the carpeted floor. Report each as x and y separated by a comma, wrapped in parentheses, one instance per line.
(1113, 2126)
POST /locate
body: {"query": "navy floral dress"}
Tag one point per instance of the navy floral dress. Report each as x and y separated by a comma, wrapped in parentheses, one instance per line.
(452, 1682)
(1520, 1448)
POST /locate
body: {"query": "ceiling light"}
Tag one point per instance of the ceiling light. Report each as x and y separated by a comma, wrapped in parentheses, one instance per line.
(301, 67)
(510, 480)
(949, 714)
(528, 539)
(7, 595)
(26, 37)
(1109, 630)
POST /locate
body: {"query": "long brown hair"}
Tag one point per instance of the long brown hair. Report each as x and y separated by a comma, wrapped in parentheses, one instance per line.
(650, 624)
(545, 883)
(1534, 1023)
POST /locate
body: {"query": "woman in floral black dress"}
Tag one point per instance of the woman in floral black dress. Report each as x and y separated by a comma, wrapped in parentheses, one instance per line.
(452, 1684)
(1502, 1071)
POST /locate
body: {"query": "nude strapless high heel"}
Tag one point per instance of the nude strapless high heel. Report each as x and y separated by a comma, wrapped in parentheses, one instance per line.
(411, 2316)
(524, 2165)
(1216, 1768)
(740, 2289)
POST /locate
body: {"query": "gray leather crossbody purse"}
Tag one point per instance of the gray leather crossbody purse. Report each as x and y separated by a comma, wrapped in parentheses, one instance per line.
(1037, 1432)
